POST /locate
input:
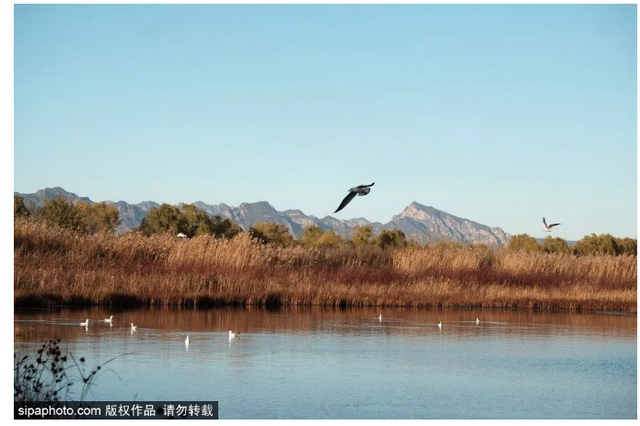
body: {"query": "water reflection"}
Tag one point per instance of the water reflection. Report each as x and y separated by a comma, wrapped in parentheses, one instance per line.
(358, 363)
(42, 324)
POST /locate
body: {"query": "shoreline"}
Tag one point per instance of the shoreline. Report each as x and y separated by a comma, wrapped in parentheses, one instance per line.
(21, 305)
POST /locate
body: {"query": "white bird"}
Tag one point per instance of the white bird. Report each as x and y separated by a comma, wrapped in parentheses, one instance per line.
(232, 334)
(380, 318)
(440, 325)
(547, 228)
(133, 327)
(477, 321)
(181, 235)
(186, 342)
(356, 190)
(109, 320)
(85, 324)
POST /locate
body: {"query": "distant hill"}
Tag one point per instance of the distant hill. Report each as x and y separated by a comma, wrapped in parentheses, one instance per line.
(423, 224)
(426, 224)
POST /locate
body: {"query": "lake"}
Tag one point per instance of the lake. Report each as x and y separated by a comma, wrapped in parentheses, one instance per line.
(314, 363)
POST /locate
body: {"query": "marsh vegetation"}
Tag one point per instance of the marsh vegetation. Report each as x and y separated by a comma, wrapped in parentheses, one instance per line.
(56, 266)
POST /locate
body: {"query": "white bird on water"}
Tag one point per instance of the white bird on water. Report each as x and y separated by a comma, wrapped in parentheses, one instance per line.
(133, 327)
(440, 325)
(186, 342)
(477, 321)
(85, 324)
(232, 335)
(380, 318)
(547, 228)
(109, 320)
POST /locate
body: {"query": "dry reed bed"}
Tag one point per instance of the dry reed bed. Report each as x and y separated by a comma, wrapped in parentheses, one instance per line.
(54, 267)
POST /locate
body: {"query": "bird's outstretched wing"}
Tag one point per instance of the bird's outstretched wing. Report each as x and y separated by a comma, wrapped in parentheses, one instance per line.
(553, 224)
(346, 201)
(545, 222)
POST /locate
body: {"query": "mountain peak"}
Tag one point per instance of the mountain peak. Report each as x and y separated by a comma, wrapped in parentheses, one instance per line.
(418, 211)
(57, 191)
(427, 224)
(40, 195)
(257, 204)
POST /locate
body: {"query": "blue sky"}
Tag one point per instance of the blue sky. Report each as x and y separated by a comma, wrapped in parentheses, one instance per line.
(500, 114)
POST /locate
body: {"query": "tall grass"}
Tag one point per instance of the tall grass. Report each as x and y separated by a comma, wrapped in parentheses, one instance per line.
(46, 377)
(58, 267)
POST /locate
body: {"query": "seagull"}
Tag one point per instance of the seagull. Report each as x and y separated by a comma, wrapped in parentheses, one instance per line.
(477, 321)
(133, 327)
(109, 320)
(85, 324)
(440, 325)
(232, 334)
(357, 190)
(380, 318)
(186, 341)
(547, 228)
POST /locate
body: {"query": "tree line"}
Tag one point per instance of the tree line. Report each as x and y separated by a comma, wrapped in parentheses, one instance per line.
(78, 217)
(187, 219)
(589, 245)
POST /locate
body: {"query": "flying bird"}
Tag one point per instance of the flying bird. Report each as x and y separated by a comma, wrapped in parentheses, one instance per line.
(85, 324)
(547, 228)
(232, 335)
(186, 342)
(357, 190)
(109, 320)
(133, 327)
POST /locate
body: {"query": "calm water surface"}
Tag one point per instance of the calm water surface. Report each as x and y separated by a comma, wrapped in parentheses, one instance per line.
(343, 364)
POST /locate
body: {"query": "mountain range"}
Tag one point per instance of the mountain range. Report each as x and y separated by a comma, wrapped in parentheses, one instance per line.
(421, 223)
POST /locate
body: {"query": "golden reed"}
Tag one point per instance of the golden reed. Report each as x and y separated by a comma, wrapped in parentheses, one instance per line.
(55, 267)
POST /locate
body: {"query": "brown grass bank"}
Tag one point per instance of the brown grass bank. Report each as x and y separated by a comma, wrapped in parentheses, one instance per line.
(53, 267)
